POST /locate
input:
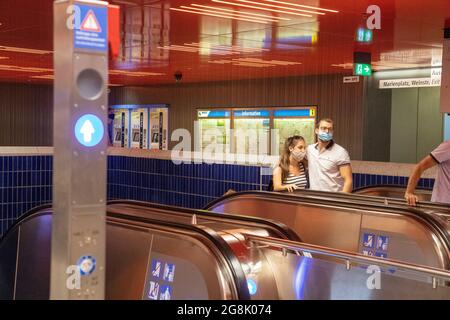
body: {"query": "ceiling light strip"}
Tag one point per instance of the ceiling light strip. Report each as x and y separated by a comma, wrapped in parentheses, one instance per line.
(181, 47)
(24, 50)
(134, 74)
(277, 62)
(24, 69)
(220, 61)
(302, 6)
(216, 15)
(231, 50)
(280, 7)
(240, 12)
(250, 64)
(221, 46)
(50, 77)
(263, 9)
(178, 49)
(230, 14)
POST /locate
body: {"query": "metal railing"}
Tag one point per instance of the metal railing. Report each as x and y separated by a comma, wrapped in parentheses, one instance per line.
(349, 257)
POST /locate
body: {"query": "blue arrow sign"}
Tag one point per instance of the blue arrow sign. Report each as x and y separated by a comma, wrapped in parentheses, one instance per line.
(89, 130)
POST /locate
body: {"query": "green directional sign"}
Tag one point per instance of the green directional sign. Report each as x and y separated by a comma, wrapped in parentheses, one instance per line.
(363, 69)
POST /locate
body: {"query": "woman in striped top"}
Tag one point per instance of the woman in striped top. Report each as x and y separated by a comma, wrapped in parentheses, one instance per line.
(290, 174)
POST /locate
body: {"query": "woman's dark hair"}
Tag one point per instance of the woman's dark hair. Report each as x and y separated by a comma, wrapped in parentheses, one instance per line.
(284, 159)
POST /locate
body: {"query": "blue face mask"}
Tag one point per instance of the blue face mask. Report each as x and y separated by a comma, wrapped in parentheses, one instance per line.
(325, 136)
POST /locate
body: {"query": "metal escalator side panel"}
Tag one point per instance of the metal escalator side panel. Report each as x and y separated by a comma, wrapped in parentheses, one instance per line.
(15, 263)
(33, 263)
(8, 261)
(221, 252)
(131, 257)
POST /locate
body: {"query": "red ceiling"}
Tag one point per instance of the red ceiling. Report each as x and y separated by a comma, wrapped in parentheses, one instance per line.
(411, 33)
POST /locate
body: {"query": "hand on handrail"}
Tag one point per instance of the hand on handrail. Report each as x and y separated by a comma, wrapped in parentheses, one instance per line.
(411, 199)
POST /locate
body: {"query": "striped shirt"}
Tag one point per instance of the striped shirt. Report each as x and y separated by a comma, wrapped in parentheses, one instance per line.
(300, 181)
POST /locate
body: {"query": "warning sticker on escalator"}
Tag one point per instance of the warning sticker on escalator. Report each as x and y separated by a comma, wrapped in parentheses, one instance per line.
(369, 240)
(156, 268)
(375, 245)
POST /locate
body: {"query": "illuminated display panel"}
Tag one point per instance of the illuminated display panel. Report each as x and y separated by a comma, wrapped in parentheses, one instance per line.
(251, 129)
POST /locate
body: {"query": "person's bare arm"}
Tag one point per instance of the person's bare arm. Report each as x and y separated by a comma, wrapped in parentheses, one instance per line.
(423, 165)
(277, 184)
(346, 173)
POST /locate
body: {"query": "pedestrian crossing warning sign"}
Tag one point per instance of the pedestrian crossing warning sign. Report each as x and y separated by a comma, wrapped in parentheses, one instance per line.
(90, 23)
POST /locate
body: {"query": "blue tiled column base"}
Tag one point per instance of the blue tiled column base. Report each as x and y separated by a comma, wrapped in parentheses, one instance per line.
(26, 182)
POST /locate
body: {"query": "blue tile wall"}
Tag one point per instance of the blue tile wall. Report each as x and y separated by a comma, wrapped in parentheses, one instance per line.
(26, 182)
(368, 180)
(187, 185)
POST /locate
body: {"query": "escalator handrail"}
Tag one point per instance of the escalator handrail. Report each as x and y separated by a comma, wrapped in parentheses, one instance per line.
(230, 258)
(348, 256)
(428, 191)
(436, 226)
(284, 230)
(280, 227)
(441, 209)
(39, 210)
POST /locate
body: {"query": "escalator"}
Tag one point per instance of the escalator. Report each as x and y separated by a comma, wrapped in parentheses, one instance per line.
(209, 263)
(134, 243)
(405, 234)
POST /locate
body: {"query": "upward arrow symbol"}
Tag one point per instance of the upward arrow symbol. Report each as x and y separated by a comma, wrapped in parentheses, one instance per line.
(87, 129)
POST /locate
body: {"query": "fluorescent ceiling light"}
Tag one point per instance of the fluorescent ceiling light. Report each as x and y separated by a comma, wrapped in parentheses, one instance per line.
(134, 73)
(5, 67)
(254, 62)
(249, 64)
(231, 14)
(302, 6)
(239, 12)
(125, 2)
(225, 49)
(280, 7)
(264, 9)
(47, 76)
(217, 15)
(275, 62)
(179, 48)
(24, 50)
